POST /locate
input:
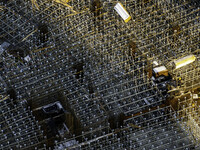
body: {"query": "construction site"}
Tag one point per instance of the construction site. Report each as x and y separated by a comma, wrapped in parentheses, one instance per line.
(99, 75)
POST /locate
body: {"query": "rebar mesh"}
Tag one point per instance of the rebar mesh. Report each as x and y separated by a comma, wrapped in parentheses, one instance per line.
(102, 67)
(19, 129)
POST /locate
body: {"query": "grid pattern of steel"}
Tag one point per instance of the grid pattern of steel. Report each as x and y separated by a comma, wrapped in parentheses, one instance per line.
(102, 67)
